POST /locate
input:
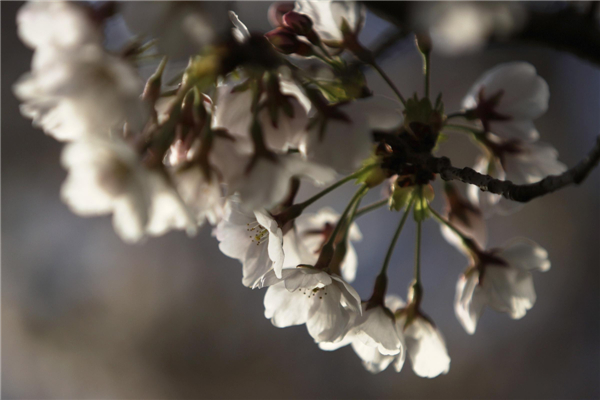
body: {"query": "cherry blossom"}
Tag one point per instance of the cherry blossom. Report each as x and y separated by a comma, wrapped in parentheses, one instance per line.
(56, 25)
(181, 27)
(501, 279)
(306, 295)
(343, 141)
(425, 344)
(233, 113)
(254, 238)
(313, 230)
(108, 177)
(81, 92)
(508, 98)
(329, 16)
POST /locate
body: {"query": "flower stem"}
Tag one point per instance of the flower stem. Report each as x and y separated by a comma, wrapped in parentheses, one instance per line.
(464, 128)
(418, 256)
(457, 114)
(357, 196)
(371, 207)
(334, 186)
(467, 241)
(427, 59)
(387, 79)
(388, 255)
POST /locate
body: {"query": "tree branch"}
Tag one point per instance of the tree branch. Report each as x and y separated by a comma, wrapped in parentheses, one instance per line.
(511, 191)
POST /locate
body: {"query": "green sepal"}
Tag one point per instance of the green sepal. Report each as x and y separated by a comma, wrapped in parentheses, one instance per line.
(424, 194)
(400, 197)
(372, 174)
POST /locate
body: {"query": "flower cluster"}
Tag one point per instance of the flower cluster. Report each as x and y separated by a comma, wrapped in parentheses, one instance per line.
(229, 139)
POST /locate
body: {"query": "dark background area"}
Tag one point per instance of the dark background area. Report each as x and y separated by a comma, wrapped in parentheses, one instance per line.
(86, 316)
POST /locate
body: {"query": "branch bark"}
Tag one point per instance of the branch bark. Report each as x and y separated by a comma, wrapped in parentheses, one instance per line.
(511, 191)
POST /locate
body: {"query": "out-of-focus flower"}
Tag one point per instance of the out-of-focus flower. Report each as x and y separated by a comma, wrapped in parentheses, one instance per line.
(56, 25)
(233, 112)
(239, 31)
(107, 177)
(313, 230)
(507, 99)
(502, 280)
(81, 92)
(518, 162)
(465, 217)
(459, 27)
(202, 196)
(306, 295)
(181, 27)
(343, 140)
(264, 182)
(328, 18)
(254, 238)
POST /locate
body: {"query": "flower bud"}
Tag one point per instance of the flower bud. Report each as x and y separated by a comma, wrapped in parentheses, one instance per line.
(299, 23)
(277, 10)
(423, 41)
(284, 40)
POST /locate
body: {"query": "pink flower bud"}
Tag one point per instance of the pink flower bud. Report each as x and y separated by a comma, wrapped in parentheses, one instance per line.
(277, 10)
(284, 40)
(299, 23)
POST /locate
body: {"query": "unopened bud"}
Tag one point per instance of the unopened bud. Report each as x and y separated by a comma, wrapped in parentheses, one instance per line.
(299, 23)
(153, 85)
(277, 10)
(284, 40)
(423, 41)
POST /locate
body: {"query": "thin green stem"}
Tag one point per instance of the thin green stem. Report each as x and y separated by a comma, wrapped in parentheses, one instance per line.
(388, 255)
(357, 196)
(464, 128)
(371, 207)
(321, 46)
(334, 186)
(458, 114)
(351, 218)
(387, 79)
(427, 58)
(467, 241)
(418, 255)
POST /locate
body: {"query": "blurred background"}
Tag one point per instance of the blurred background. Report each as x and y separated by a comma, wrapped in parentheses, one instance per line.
(86, 316)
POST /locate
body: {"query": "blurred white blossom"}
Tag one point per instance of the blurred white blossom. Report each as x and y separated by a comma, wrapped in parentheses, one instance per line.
(56, 25)
(108, 177)
(343, 140)
(329, 16)
(181, 27)
(80, 92)
(508, 98)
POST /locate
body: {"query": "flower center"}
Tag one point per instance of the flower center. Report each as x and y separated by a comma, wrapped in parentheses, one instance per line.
(318, 291)
(259, 233)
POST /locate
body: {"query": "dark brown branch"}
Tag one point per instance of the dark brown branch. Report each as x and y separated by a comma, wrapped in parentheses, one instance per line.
(520, 193)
